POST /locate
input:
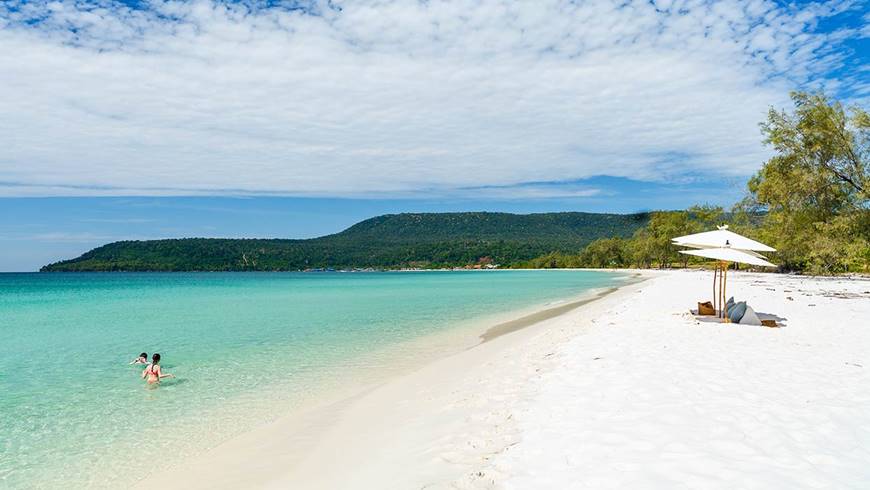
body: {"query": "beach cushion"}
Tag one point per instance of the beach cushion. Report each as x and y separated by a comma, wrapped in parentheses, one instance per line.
(736, 312)
(729, 303)
(750, 317)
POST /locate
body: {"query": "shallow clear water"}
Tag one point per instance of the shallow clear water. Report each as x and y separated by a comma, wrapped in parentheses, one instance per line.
(245, 347)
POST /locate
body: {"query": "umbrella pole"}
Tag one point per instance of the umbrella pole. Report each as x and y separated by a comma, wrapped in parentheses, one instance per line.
(715, 299)
(721, 297)
(724, 285)
(721, 290)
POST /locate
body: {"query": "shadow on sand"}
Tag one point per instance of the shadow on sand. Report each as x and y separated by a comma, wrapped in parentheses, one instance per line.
(781, 322)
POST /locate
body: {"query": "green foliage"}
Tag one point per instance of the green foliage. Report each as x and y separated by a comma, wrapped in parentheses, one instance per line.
(552, 260)
(429, 240)
(813, 191)
(606, 252)
(649, 246)
(663, 227)
(707, 217)
(642, 249)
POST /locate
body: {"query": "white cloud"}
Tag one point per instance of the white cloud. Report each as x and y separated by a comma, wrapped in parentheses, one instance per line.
(391, 97)
(529, 191)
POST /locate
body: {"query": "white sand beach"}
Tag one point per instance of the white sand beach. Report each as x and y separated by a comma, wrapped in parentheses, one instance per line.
(628, 391)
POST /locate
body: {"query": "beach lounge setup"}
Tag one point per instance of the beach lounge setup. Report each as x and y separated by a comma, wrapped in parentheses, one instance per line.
(726, 247)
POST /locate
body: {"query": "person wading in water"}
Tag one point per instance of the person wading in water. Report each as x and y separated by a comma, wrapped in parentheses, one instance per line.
(153, 374)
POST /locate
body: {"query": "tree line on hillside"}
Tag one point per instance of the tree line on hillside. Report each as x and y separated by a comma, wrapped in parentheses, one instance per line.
(409, 240)
(809, 201)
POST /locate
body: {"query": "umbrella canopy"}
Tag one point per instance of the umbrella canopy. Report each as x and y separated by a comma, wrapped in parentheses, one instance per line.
(721, 238)
(724, 246)
(730, 255)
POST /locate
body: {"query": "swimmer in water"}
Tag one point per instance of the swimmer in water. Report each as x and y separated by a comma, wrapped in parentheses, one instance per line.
(142, 359)
(153, 374)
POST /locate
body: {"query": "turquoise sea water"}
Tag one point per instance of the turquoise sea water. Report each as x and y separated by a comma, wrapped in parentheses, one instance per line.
(245, 348)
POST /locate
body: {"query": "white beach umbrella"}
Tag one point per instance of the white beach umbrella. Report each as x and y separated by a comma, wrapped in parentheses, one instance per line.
(726, 247)
(721, 238)
(730, 255)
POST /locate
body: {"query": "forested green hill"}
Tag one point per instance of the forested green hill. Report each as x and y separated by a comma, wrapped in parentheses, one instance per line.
(389, 241)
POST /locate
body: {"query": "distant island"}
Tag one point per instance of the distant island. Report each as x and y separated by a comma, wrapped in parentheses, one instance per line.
(395, 241)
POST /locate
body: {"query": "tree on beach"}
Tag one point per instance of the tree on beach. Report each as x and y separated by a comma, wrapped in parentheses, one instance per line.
(652, 244)
(662, 227)
(606, 252)
(814, 191)
(642, 249)
(706, 216)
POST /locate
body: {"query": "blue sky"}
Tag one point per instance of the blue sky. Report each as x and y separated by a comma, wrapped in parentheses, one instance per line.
(36, 231)
(151, 119)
